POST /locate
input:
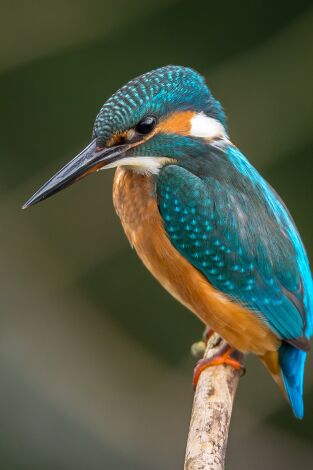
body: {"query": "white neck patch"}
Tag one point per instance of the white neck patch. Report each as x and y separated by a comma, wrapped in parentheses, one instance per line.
(143, 165)
(207, 127)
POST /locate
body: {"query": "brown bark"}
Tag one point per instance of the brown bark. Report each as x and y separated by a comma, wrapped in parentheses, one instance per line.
(211, 413)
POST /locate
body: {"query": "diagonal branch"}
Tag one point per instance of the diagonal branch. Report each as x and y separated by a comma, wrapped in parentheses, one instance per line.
(211, 413)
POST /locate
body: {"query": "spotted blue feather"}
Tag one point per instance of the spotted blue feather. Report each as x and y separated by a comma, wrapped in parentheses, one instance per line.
(238, 233)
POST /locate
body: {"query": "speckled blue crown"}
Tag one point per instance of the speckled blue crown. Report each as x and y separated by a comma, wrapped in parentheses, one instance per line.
(158, 92)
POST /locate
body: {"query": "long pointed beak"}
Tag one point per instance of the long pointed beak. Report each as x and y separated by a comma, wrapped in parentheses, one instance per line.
(88, 161)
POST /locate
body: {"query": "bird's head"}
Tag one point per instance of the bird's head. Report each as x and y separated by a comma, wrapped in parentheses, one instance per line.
(158, 118)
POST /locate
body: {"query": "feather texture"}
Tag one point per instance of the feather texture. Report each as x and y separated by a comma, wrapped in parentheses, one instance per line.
(135, 202)
(240, 236)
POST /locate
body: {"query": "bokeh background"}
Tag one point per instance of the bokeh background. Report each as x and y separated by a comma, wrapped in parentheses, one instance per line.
(95, 368)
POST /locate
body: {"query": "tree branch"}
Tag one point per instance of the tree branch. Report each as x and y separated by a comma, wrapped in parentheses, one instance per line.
(211, 412)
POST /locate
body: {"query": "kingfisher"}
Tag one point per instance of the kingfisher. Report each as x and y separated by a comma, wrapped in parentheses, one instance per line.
(203, 220)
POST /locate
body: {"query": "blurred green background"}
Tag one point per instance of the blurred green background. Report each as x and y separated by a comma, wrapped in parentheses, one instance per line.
(94, 356)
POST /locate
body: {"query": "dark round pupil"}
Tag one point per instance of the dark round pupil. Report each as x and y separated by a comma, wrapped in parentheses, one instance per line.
(146, 125)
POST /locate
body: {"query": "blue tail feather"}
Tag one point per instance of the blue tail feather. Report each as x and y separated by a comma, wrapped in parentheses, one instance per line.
(292, 362)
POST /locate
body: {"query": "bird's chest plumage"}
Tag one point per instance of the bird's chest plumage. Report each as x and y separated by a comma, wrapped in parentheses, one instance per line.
(134, 197)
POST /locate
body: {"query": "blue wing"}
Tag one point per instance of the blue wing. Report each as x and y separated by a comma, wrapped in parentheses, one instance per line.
(232, 227)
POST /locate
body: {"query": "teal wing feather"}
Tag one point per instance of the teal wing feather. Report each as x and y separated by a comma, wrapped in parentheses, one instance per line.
(238, 233)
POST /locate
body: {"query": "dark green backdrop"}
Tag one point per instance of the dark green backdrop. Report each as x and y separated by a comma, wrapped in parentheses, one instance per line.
(94, 355)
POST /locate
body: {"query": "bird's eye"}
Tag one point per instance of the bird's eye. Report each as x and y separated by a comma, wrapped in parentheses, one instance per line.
(146, 125)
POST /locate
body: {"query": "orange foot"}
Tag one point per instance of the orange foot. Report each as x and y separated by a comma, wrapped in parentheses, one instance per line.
(222, 357)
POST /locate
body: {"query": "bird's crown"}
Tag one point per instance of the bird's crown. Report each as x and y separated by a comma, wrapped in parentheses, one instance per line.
(158, 93)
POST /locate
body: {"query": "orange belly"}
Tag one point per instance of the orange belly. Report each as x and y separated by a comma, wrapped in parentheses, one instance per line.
(135, 203)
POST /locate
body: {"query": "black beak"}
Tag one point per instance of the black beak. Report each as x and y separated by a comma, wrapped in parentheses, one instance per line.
(83, 164)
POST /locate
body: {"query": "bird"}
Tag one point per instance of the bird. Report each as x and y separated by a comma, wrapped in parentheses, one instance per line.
(203, 220)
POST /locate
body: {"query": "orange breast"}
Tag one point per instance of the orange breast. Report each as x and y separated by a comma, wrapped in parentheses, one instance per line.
(135, 203)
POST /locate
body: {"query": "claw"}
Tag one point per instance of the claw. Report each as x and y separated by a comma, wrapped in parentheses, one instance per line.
(225, 358)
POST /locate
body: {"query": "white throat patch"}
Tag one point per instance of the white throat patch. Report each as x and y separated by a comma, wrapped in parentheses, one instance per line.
(143, 165)
(207, 127)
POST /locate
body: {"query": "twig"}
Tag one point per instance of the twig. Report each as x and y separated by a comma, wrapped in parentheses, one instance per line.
(211, 413)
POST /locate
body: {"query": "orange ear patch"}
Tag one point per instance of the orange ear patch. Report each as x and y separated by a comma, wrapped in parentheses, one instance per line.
(177, 123)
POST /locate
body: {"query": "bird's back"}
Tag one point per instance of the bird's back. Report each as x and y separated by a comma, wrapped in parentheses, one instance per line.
(223, 217)
(227, 221)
